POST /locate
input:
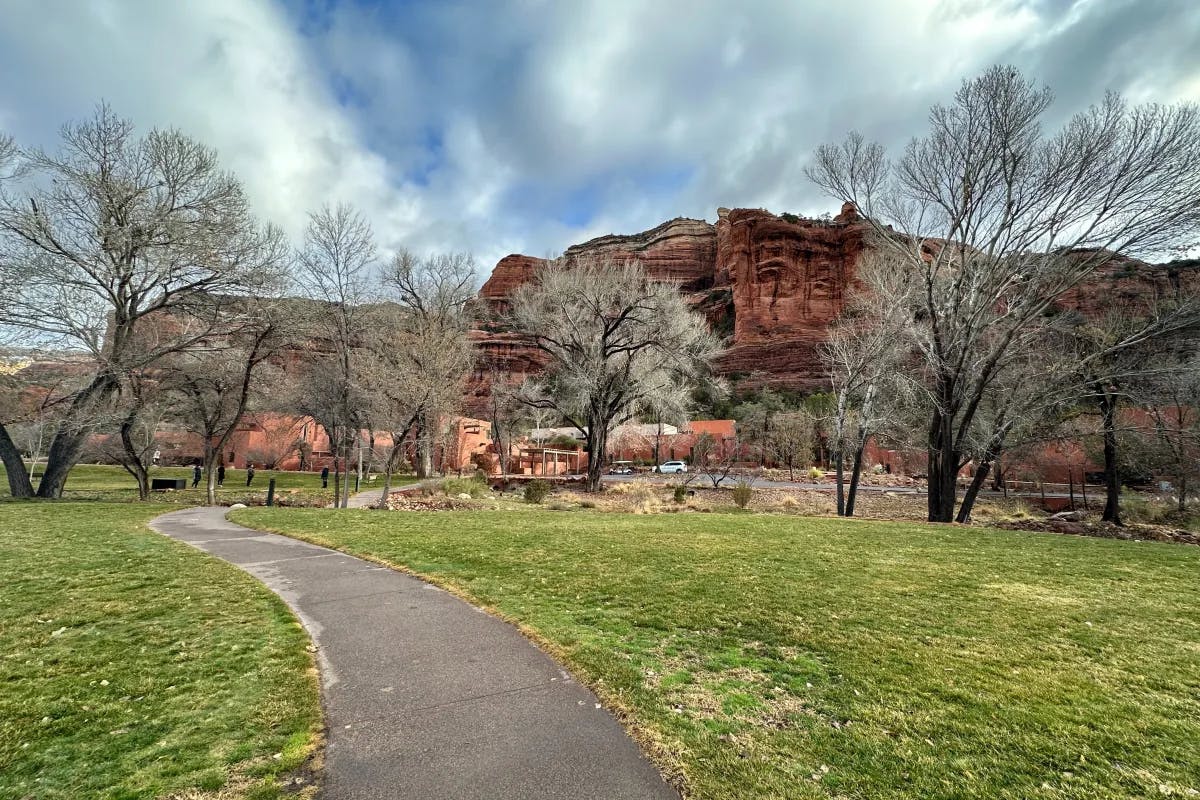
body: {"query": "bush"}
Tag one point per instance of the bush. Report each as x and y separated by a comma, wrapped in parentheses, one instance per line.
(536, 491)
(742, 493)
(815, 474)
(680, 494)
(475, 487)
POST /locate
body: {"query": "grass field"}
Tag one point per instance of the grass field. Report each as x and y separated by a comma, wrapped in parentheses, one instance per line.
(132, 666)
(773, 657)
(113, 484)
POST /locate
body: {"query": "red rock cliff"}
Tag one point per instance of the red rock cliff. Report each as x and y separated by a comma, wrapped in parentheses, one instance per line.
(773, 283)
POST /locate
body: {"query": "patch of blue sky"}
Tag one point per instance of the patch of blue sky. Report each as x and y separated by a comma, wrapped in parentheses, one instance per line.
(578, 205)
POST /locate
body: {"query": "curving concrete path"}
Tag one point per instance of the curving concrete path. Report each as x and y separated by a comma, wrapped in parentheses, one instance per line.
(426, 696)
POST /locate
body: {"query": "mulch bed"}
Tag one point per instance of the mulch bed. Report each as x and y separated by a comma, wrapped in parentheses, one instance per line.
(1103, 530)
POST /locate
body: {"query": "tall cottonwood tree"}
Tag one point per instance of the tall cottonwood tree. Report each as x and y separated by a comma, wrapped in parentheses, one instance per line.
(996, 219)
(337, 267)
(434, 294)
(616, 343)
(125, 247)
(421, 351)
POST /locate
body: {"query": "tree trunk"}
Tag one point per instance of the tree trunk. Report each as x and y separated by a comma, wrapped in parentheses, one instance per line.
(836, 455)
(943, 469)
(838, 472)
(335, 440)
(133, 458)
(68, 442)
(346, 444)
(1112, 477)
(389, 467)
(211, 456)
(855, 474)
(63, 455)
(597, 439)
(968, 502)
(19, 484)
(424, 445)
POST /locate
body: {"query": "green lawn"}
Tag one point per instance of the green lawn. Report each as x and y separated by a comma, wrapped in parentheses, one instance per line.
(775, 657)
(133, 666)
(113, 484)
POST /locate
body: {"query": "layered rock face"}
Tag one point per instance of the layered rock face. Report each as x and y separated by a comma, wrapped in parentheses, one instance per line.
(774, 284)
(788, 279)
(510, 272)
(682, 251)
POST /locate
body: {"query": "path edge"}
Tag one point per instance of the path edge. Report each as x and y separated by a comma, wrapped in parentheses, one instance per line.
(313, 765)
(668, 764)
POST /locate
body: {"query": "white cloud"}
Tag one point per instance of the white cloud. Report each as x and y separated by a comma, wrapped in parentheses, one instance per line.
(527, 126)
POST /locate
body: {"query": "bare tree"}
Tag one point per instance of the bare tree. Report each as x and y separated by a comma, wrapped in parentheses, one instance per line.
(791, 439)
(336, 267)
(616, 342)
(142, 409)
(863, 352)
(1128, 349)
(1171, 399)
(998, 221)
(218, 384)
(127, 248)
(714, 458)
(434, 294)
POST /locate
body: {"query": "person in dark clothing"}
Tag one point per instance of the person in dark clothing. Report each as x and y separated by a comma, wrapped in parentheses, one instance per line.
(196, 472)
(249, 473)
(325, 478)
(220, 475)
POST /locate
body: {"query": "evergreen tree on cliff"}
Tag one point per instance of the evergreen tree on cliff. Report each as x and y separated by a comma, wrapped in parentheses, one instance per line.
(995, 220)
(617, 344)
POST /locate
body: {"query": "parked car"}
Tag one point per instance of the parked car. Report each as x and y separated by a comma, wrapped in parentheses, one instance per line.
(672, 466)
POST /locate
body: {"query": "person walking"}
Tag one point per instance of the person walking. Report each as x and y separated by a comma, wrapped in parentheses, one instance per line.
(220, 475)
(196, 472)
(249, 473)
(325, 477)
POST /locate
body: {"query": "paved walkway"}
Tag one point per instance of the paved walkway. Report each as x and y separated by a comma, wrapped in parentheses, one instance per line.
(426, 696)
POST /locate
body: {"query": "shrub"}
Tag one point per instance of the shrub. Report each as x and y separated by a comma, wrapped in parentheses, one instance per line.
(742, 493)
(815, 474)
(536, 491)
(680, 494)
(475, 487)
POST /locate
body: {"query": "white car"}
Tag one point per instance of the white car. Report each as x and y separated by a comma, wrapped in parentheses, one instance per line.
(672, 466)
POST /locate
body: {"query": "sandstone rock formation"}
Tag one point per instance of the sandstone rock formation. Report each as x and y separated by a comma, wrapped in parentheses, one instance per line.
(771, 284)
(683, 251)
(788, 279)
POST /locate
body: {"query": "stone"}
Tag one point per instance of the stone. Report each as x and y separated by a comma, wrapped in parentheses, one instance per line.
(509, 273)
(789, 279)
(236, 506)
(771, 284)
(682, 251)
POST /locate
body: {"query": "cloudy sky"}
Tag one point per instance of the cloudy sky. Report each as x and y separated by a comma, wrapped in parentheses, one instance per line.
(528, 125)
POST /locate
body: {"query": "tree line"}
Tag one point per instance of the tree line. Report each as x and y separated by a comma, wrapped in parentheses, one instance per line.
(964, 335)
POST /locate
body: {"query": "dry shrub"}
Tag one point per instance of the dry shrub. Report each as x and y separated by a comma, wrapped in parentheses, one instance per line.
(742, 494)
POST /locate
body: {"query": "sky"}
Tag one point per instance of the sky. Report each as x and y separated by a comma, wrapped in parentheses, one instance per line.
(497, 127)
